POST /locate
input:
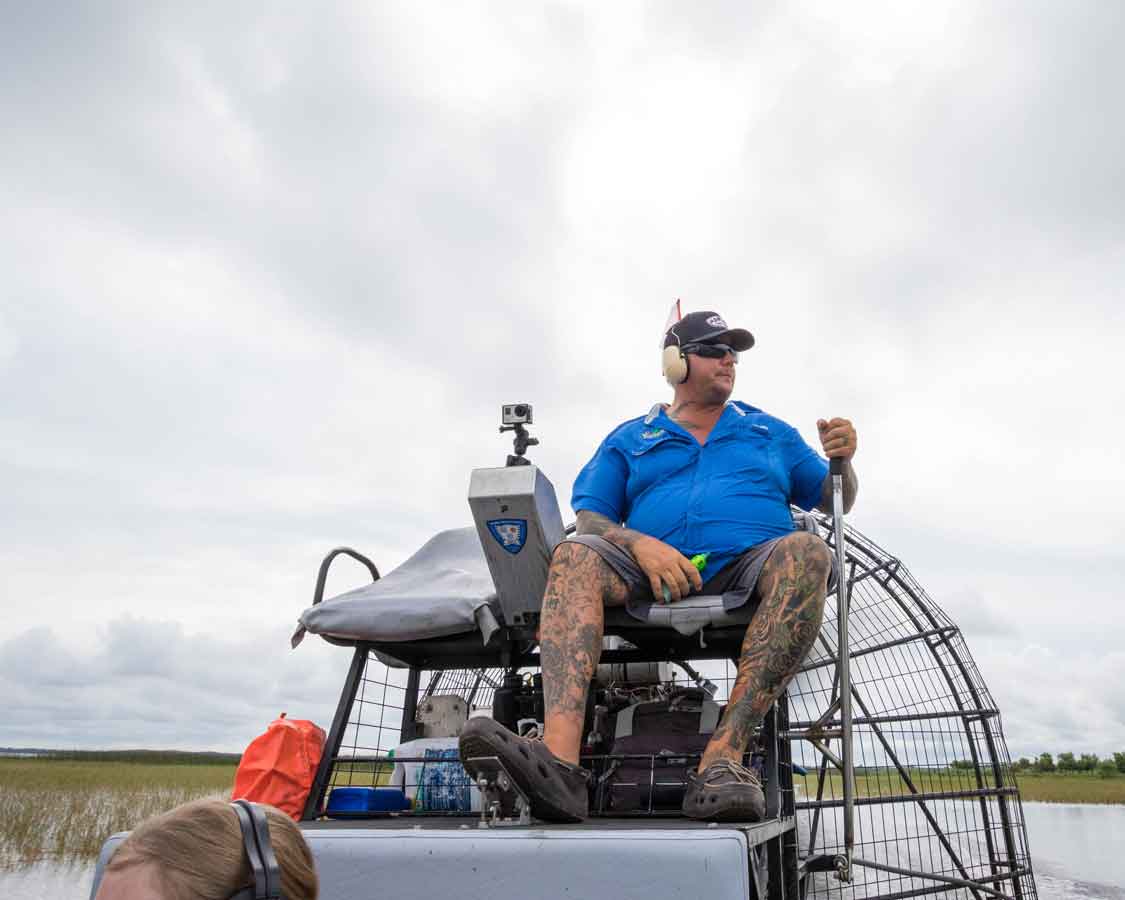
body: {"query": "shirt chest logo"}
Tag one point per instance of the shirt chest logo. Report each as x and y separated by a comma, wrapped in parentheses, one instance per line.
(652, 434)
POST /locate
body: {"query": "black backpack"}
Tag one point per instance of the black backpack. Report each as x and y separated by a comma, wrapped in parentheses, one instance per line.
(655, 745)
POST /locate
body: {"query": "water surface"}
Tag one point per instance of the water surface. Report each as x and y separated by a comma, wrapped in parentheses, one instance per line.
(1078, 850)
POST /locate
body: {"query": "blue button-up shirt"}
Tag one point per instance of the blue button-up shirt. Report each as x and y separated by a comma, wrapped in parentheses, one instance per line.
(718, 498)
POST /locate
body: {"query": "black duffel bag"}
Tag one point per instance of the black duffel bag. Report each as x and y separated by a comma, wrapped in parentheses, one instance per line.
(655, 745)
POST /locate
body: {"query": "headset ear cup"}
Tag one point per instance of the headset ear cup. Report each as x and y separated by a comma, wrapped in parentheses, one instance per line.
(674, 365)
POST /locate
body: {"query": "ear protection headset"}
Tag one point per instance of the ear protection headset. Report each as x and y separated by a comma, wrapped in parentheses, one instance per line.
(259, 851)
(673, 362)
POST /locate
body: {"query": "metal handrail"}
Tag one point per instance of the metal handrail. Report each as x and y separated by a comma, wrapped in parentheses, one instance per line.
(322, 574)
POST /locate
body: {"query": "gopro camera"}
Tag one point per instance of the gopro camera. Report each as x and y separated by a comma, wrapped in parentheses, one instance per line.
(516, 414)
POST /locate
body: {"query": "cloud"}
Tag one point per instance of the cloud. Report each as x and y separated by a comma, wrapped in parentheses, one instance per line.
(980, 616)
(152, 683)
(1057, 701)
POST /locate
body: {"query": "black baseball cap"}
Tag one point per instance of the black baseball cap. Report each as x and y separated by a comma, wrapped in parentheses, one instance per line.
(707, 327)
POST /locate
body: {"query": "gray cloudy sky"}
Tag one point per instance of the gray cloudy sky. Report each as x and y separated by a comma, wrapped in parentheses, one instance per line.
(268, 272)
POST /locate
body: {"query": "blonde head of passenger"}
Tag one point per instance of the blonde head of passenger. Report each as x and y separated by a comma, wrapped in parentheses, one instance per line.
(196, 852)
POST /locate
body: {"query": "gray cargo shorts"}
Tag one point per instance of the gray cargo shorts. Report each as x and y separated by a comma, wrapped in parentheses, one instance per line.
(735, 581)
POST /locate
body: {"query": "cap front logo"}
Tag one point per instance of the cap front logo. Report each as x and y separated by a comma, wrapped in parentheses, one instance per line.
(716, 322)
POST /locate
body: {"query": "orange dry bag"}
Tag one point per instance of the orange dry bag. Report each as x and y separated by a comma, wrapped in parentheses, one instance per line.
(279, 766)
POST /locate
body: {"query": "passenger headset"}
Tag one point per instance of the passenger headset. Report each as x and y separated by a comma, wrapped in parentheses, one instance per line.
(673, 361)
(259, 851)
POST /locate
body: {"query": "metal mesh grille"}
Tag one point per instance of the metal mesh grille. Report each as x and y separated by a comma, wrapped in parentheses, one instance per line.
(374, 728)
(935, 790)
(475, 686)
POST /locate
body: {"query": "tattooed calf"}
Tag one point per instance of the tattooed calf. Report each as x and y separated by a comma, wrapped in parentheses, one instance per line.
(791, 592)
(571, 625)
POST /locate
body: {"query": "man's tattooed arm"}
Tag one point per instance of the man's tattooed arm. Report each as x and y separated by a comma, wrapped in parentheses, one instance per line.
(595, 523)
(662, 563)
(851, 488)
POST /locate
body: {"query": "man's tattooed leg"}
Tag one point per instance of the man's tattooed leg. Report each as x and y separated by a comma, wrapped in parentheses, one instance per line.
(570, 640)
(791, 590)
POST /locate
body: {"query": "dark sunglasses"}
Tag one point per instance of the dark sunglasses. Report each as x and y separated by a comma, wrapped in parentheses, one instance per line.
(711, 351)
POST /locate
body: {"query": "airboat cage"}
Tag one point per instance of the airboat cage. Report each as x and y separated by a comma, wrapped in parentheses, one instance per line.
(938, 806)
(936, 810)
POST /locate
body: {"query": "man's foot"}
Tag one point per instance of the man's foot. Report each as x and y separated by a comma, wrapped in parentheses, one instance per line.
(724, 792)
(556, 789)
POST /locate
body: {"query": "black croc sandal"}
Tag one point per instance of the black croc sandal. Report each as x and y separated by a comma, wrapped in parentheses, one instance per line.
(556, 789)
(725, 792)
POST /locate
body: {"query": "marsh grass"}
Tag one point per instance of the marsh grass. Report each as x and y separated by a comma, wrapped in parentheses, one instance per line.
(1048, 788)
(1076, 788)
(366, 773)
(886, 782)
(63, 810)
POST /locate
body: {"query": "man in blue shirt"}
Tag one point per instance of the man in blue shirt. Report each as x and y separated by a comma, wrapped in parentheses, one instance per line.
(703, 475)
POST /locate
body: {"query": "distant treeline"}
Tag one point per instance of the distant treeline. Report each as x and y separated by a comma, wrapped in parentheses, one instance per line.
(1107, 767)
(1068, 762)
(152, 757)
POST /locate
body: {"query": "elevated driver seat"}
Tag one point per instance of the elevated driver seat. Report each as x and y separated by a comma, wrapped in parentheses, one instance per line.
(443, 601)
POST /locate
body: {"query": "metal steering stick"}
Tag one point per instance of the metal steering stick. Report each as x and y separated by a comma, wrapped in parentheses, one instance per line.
(836, 468)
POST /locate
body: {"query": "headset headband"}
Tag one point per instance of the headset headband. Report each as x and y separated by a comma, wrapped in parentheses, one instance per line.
(259, 851)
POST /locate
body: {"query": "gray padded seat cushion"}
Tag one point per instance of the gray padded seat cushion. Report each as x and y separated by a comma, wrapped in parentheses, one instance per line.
(687, 616)
(445, 588)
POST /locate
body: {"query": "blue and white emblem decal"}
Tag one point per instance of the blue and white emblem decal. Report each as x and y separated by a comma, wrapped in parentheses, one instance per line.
(509, 533)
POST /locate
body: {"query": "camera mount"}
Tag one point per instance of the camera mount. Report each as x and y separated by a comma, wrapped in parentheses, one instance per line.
(515, 417)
